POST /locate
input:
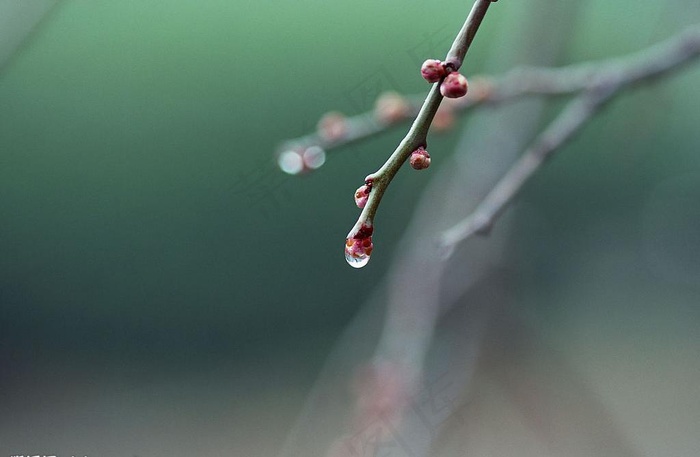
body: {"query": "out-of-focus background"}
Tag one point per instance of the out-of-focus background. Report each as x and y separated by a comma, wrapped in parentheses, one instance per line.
(166, 290)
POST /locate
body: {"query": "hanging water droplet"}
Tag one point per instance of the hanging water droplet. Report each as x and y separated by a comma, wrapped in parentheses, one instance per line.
(358, 251)
(356, 261)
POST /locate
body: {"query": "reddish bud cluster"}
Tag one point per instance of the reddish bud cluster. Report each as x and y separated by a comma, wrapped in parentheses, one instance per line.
(420, 159)
(454, 84)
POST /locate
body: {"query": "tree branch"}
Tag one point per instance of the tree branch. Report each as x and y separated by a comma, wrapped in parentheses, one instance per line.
(418, 132)
(516, 84)
(598, 85)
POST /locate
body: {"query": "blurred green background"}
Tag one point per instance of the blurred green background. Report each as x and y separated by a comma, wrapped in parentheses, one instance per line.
(162, 280)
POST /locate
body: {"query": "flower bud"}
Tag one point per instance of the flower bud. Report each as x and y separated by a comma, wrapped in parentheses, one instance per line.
(444, 118)
(333, 126)
(420, 159)
(480, 88)
(391, 107)
(432, 70)
(454, 85)
(361, 195)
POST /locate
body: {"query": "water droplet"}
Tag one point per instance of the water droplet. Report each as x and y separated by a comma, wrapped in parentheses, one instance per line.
(356, 261)
(314, 157)
(357, 251)
(291, 162)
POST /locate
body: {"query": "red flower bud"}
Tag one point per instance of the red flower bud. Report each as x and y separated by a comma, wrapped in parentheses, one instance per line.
(454, 85)
(361, 195)
(432, 70)
(333, 126)
(420, 159)
(391, 107)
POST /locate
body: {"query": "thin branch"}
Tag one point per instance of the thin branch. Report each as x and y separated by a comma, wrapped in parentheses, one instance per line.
(571, 119)
(515, 84)
(600, 85)
(418, 132)
(464, 38)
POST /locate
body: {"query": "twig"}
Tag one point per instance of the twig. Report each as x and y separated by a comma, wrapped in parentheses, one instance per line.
(417, 134)
(513, 85)
(599, 86)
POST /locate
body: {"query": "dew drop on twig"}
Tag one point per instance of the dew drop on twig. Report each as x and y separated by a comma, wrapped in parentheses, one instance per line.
(358, 251)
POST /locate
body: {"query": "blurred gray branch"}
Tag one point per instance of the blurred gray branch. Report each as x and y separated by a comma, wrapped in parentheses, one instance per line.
(17, 21)
(598, 84)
